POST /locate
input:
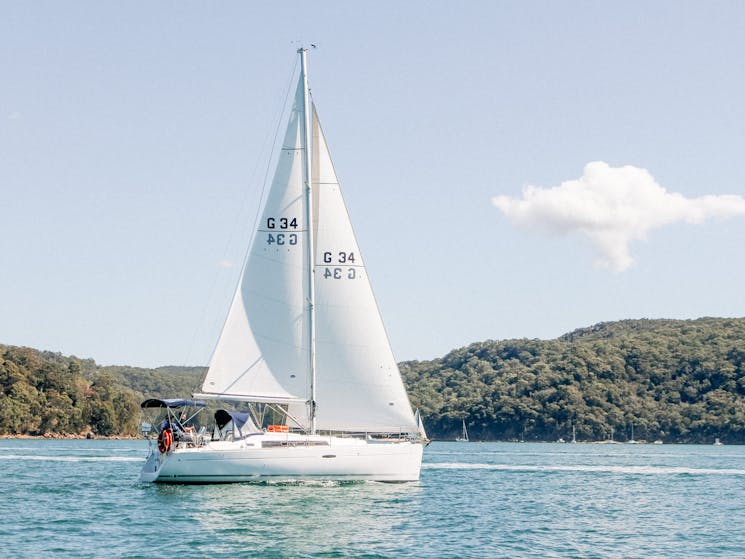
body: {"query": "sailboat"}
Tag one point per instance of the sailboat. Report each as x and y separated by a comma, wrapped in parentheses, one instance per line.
(463, 434)
(303, 338)
(632, 440)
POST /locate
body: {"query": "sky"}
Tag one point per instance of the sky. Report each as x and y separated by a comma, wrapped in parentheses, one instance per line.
(512, 169)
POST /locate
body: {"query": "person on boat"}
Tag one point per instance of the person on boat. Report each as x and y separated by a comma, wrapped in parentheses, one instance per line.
(177, 427)
(166, 424)
(186, 423)
(185, 429)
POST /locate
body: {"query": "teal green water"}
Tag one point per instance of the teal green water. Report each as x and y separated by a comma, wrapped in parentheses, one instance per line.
(83, 499)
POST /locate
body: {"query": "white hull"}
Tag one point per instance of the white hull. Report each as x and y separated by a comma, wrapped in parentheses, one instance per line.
(286, 456)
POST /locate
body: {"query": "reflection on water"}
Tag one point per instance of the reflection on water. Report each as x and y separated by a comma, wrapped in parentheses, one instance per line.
(291, 519)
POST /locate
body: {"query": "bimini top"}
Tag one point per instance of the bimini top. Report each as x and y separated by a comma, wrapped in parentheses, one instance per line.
(172, 403)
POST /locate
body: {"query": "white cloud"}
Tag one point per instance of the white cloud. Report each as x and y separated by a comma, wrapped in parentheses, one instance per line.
(612, 206)
(225, 264)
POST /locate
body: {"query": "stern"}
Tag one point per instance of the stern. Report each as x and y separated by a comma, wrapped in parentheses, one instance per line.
(151, 468)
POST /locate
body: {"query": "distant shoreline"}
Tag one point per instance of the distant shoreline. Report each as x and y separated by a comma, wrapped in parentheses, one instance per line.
(61, 437)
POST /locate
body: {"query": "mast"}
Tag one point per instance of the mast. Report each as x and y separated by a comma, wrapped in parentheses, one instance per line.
(307, 155)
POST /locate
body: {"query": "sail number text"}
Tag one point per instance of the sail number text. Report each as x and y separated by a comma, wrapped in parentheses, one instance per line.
(281, 237)
(340, 258)
(339, 273)
(347, 258)
(281, 223)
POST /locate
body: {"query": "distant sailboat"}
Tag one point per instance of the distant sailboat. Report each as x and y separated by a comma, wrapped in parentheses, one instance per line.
(631, 440)
(609, 441)
(303, 338)
(463, 434)
(420, 428)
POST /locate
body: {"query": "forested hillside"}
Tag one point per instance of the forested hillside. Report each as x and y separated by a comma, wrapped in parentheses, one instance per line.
(46, 393)
(673, 380)
(678, 381)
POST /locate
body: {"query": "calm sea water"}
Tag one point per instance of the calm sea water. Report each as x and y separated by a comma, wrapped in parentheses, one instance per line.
(83, 499)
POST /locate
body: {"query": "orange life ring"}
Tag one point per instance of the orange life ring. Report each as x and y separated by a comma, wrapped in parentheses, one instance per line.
(165, 440)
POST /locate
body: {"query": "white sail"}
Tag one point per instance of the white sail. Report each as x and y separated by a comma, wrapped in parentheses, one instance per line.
(262, 353)
(359, 385)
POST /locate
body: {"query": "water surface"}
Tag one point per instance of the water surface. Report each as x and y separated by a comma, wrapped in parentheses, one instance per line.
(83, 499)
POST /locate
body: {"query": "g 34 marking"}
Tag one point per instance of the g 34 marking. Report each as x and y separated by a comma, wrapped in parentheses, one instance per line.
(281, 223)
(281, 238)
(339, 273)
(341, 258)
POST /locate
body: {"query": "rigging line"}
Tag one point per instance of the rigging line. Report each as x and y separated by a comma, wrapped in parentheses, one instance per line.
(280, 111)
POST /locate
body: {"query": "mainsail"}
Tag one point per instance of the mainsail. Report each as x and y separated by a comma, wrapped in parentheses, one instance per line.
(263, 353)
